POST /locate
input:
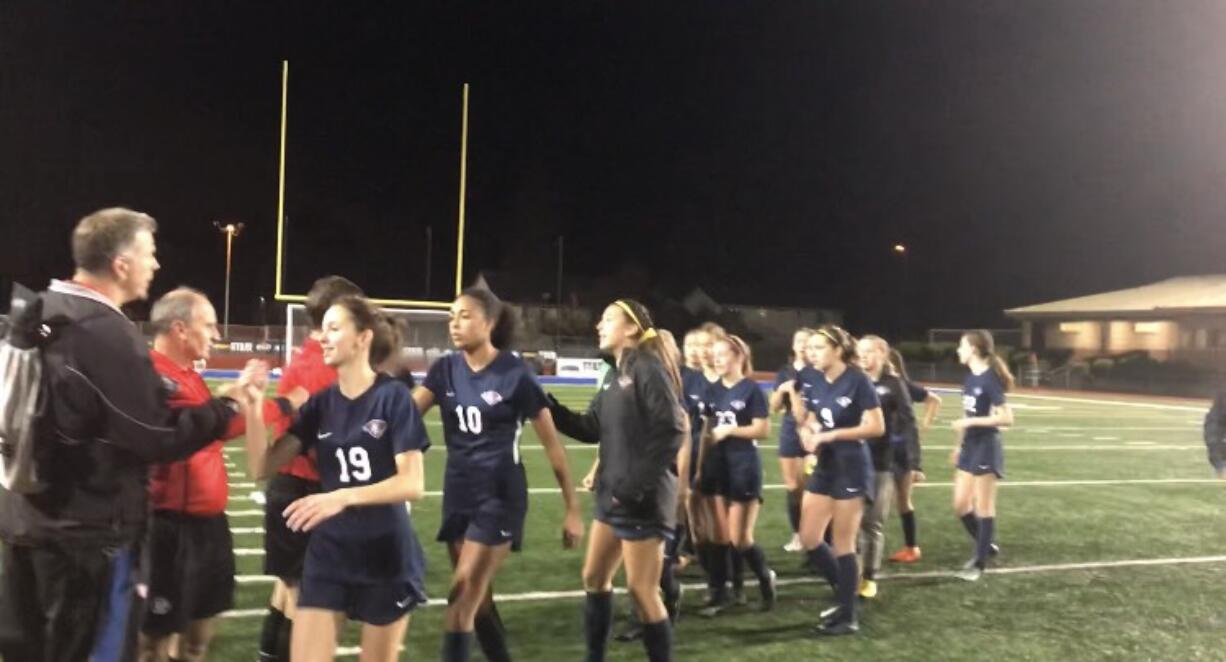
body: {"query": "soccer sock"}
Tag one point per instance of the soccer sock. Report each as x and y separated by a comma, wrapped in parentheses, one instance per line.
(597, 621)
(658, 640)
(757, 563)
(794, 511)
(908, 528)
(849, 575)
(284, 638)
(668, 580)
(983, 544)
(736, 568)
(269, 635)
(821, 559)
(491, 635)
(972, 524)
(456, 646)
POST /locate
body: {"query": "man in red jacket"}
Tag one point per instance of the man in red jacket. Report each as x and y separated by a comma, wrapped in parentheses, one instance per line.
(190, 550)
(285, 550)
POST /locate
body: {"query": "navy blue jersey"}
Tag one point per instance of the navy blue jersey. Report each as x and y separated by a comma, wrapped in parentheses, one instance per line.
(694, 387)
(979, 394)
(356, 443)
(483, 412)
(787, 427)
(918, 393)
(737, 405)
(840, 404)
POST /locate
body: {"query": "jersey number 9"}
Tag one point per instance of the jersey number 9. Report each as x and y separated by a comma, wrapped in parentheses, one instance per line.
(827, 418)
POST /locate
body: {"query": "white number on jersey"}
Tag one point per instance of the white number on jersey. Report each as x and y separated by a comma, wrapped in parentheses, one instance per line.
(725, 418)
(473, 421)
(359, 463)
(827, 418)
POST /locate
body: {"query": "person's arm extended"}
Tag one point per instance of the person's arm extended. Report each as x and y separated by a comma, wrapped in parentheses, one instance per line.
(872, 425)
(407, 484)
(572, 525)
(423, 398)
(583, 427)
(265, 456)
(932, 405)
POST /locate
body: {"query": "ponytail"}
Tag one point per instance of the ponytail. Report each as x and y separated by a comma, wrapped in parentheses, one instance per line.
(385, 338)
(1002, 372)
(650, 340)
(500, 315)
(983, 343)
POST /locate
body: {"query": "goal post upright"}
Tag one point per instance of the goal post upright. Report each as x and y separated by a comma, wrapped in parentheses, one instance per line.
(281, 295)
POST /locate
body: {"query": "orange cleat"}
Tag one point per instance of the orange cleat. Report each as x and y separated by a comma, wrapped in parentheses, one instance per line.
(907, 555)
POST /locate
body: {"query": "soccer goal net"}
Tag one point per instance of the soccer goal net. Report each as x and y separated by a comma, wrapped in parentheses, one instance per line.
(424, 335)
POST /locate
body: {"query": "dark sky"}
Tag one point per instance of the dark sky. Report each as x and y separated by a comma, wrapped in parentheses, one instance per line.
(772, 152)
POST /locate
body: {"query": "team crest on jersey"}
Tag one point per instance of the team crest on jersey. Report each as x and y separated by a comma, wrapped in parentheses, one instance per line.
(843, 401)
(881, 390)
(491, 397)
(738, 405)
(624, 381)
(978, 391)
(375, 427)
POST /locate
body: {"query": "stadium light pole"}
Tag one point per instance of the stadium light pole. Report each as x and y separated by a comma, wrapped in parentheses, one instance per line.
(231, 230)
(901, 251)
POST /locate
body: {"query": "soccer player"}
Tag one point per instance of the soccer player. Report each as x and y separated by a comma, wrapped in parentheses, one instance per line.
(980, 458)
(842, 412)
(791, 455)
(640, 426)
(284, 550)
(873, 353)
(741, 417)
(363, 558)
(908, 460)
(485, 393)
(189, 546)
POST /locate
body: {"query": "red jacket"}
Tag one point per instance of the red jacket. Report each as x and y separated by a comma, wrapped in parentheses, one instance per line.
(198, 485)
(306, 369)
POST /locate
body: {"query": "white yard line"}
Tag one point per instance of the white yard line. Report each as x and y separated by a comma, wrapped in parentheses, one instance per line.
(538, 596)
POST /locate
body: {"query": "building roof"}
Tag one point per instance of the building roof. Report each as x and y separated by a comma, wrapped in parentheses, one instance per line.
(1186, 294)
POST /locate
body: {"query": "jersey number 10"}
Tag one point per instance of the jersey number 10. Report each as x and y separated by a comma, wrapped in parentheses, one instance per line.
(358, 464)
(473, 416)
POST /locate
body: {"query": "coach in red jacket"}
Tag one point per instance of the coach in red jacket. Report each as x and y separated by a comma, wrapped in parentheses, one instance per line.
(190, 551)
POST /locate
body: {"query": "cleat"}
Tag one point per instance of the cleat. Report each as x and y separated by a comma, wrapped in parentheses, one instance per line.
(993, 550)
(770, 592)
(838, 628)
(868, 589)
(794, 546)
(971, 572)
(828, 613)
(907, 555)
(633, 632)
(713, 607)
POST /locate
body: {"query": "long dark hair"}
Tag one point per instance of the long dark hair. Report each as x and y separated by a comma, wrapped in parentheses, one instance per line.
(502, 334)
(368, 317)
(985, 346)
(653, 344)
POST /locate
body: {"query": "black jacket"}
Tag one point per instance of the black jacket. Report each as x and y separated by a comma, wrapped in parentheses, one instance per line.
(640, 426)
(107, 421)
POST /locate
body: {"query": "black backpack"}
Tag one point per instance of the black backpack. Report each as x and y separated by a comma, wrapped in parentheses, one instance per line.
(23, 391)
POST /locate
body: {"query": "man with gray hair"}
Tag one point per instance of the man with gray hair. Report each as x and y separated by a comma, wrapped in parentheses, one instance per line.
(190, 549)
(66, 550)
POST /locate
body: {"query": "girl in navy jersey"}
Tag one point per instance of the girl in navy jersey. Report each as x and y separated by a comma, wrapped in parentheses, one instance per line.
(741, 417)
(791, 454)
(363, 560)
(640, 426)
(842, 410)
(485, 393)
(980, 458)
(908, 463)
(873, 353)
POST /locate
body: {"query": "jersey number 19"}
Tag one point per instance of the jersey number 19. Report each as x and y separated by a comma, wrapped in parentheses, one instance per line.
(358, 464)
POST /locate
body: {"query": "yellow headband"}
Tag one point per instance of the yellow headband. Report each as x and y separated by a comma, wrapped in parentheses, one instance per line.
(648, 333)
(828, 336)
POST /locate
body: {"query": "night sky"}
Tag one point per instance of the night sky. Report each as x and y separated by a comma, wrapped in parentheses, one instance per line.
(769, 152)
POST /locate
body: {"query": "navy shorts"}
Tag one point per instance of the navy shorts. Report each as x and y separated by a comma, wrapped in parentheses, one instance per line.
(493, 519)
(742, 472)
(789, 443)
(982, 456)
(376, 604)
(190, 561)
(285, 550)
(714, 470)
(844, 471)
(637, 533)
